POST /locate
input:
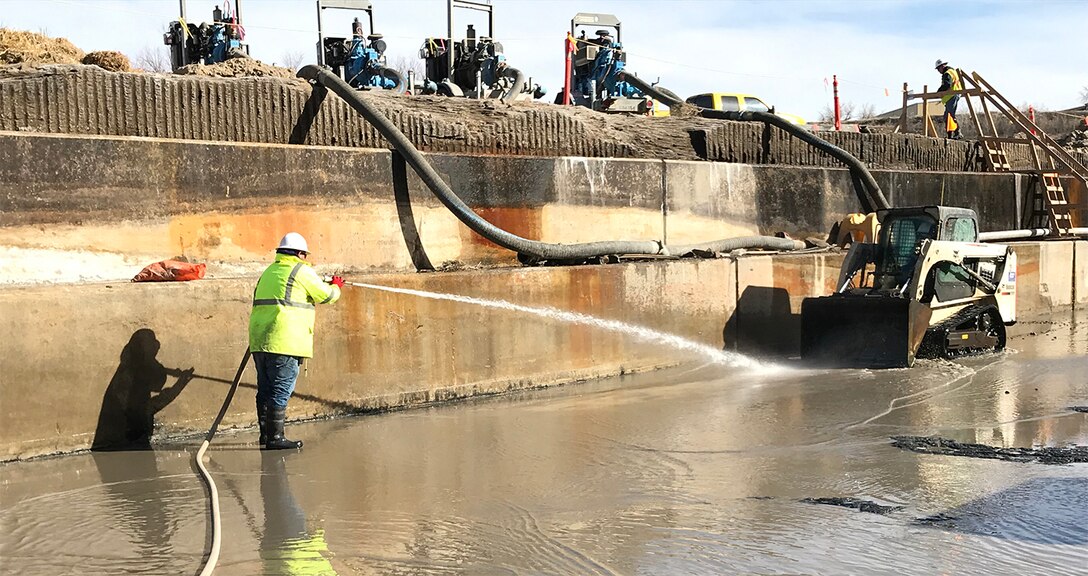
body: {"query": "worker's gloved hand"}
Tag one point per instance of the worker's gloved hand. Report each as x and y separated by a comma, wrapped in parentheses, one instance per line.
(337, 281)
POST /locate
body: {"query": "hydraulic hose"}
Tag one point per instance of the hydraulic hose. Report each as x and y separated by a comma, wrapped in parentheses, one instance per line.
(519, 83)
(397, 77)
(541, 250)
(213, 492)
(868, 192)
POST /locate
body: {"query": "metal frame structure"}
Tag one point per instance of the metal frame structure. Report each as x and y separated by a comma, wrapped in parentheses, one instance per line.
(1050, 162)
(363, 5)
(476, 5)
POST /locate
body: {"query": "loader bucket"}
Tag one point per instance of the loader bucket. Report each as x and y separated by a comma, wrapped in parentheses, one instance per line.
(858, 332)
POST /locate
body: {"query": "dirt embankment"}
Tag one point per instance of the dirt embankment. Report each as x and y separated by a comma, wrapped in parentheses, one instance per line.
(31, 48)
(108, 60)
(237, 68)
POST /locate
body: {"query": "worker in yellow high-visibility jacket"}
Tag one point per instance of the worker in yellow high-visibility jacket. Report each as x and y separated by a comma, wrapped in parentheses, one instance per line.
(950, 80)
(281, 332)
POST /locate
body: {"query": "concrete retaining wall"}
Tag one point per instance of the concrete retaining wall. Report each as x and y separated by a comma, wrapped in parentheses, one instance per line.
(88, 100)
(135, 201)
(82, 361)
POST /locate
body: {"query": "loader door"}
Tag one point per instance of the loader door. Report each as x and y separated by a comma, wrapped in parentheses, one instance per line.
(900, 239)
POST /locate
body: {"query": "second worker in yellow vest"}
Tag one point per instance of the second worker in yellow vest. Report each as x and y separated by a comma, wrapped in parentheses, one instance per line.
(950, 80)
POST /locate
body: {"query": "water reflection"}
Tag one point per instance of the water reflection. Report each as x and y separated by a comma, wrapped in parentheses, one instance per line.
(288, 545)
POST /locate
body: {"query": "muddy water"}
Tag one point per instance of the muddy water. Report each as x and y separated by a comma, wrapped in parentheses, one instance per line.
(700, 469)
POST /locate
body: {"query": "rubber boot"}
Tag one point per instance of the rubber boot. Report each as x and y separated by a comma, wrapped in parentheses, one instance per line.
(262, 423)
(276, 441)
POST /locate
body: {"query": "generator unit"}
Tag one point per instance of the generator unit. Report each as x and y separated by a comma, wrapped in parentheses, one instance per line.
(598, 75)
(361, 60)
(474, 67)
(205, 43)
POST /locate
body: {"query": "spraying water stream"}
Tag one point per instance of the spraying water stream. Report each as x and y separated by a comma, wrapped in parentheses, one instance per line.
(714, 355)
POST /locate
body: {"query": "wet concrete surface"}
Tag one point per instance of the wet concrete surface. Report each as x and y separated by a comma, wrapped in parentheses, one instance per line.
(693, 470)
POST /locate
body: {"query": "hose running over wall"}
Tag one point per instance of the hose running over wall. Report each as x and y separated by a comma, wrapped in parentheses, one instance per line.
(869, 194)
(523, 246)
(519, 83)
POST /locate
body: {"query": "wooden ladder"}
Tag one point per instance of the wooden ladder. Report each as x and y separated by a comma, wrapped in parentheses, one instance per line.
(1050, 203)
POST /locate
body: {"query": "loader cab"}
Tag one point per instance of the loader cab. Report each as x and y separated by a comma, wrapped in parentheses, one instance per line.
(902, 231)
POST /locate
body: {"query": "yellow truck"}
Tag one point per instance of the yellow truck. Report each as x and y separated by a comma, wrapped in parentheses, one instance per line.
(730, 101)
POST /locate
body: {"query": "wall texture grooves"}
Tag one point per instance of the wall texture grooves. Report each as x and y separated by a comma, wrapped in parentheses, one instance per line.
(89, 100)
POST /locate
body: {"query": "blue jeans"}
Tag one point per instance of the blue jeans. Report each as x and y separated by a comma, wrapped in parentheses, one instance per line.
(276, 375)
(950, 109)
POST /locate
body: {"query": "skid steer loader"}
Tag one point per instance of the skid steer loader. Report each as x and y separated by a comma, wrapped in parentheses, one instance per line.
(927, 288)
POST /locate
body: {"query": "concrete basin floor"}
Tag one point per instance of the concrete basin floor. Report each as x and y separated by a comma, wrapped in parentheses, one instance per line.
(692, 470)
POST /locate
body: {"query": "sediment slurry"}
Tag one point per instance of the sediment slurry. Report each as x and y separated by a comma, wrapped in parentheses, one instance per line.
(855, 503)
(947, 447)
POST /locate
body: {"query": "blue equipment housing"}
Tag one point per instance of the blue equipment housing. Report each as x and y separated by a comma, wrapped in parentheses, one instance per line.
(605, 72)
(365, 63)
(218, 43)
(361, 60)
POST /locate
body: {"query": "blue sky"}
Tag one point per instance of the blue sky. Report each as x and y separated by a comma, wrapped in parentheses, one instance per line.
(785, 51)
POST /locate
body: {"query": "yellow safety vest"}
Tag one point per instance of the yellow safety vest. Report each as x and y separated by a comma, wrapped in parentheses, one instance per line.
(955, 85)
(282, 320)
(306, 556)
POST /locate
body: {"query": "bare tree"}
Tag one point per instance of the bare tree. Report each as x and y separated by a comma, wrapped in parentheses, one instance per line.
(292, 60)
(848, 112)
(405, 64)
(1084, 95)
(152, 59)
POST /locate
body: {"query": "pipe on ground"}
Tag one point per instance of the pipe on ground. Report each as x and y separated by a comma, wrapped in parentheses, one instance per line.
(523, 246)
(519, 84)
(1026, 233)
(743, 242)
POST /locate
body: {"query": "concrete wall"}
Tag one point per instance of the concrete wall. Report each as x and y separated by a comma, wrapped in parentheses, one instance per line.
(88, 100)
(76, 357)
(119, 202)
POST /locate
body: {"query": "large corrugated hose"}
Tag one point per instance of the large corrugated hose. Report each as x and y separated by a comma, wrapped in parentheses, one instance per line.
(397, 77)
(519, 83)
(533, 249)
(868, 192)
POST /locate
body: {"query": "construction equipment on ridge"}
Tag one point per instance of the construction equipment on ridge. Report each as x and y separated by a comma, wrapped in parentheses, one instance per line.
(598, 78)
(925, 288)
(475, 67)
(360, 60)
(207, 43)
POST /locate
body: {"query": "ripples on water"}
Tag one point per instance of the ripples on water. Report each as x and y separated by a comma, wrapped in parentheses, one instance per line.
(686, 471)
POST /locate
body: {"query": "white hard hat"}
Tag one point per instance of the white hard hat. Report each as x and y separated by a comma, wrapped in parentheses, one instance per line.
(293, 241)
(940, 63)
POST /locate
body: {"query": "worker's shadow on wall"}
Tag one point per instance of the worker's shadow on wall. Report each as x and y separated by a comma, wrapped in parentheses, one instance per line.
(135, 394)
(763, 324)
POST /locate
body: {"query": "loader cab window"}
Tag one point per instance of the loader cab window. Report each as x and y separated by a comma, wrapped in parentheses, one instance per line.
(960, 230)
(951, 282)
(900, 239)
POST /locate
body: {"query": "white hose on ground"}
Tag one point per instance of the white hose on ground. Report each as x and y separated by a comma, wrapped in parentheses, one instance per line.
(213, 492)
(217, 538)
(999, 235)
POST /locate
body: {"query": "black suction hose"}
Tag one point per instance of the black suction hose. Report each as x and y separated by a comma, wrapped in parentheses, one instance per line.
(869, 193)
(661, 94)
(519, 83)
(397, 77)
(217, 530)
(541, 250)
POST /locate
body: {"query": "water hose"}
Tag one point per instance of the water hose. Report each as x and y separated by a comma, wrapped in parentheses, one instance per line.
(869, 193)
(1027, 233)
(519, 84)
(532, 249)
(542, 250)
(213, 492)
(743, 242)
